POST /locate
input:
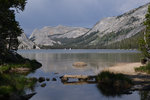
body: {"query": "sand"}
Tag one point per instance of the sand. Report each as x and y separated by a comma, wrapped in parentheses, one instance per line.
(128, 69)
(124, 68)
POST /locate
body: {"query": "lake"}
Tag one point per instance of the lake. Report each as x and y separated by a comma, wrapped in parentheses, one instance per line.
(56, 63)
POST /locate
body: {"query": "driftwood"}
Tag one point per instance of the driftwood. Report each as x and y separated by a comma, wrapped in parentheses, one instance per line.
(79, 82)
(79, 77)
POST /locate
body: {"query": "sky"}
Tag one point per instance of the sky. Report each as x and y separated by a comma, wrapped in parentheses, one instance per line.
(78, 13)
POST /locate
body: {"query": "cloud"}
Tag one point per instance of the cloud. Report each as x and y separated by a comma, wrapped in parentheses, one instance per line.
(85, 13)
(131, 4)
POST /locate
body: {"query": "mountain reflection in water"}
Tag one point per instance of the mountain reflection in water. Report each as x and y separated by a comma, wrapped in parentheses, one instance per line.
(60, 62)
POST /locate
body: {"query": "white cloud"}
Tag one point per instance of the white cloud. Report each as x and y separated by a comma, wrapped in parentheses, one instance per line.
(130, 4)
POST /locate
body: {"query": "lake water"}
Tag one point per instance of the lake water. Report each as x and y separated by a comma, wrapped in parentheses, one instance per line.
(56, 63)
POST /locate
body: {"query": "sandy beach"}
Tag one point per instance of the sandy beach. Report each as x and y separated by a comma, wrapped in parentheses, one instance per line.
(128, 69)
(124, 68)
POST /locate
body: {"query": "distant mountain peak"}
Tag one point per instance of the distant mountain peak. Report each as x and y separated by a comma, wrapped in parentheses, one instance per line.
(105, 32)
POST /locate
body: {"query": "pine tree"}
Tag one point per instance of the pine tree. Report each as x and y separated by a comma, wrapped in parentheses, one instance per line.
(144, 43)
(9, 27)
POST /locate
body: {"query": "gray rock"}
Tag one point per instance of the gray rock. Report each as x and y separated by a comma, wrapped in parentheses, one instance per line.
(54, 79)
(113, 28)
(25, 43)
(43, 85)
(41, 79)
(125, 25)
(46, 35)
(47, 79)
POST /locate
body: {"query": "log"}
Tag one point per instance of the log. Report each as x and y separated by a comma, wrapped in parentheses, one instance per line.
(84, 78)
(79, 83)
(79, 76)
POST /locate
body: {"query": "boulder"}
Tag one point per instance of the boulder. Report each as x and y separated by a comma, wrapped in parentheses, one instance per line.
(43, 85)
(54, 79)
(79, 64)
(47, 79)
(41, 79)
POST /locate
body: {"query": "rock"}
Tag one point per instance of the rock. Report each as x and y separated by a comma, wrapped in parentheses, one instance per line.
(46, 36)
(41, 79)
(54, 79)
(56, 73)
(80, 79)
(43, 85)
(25, 43)
(20, 70)
(47, 79)
(28, 96)
(107, 31)
(118, 28)
(63, 79)
(79, 64)
(143, 61)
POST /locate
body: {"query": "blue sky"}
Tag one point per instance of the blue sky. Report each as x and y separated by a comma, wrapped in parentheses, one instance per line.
(83, 13)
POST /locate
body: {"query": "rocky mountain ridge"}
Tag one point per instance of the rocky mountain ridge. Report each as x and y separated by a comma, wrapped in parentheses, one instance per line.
(25, 43)
(125, 26)
(47, 36)
(106, 32)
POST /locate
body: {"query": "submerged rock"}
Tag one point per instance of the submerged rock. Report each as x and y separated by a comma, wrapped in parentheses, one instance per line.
(79, 64)
(54, 79)
(56, 73)
(43, 85)
(47, 79)
(143, 61)
(41, 79)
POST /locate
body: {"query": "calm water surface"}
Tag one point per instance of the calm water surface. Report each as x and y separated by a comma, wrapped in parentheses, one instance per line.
(60, 61)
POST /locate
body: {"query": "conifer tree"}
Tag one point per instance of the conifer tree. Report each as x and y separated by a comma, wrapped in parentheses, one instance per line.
(9, 27)
(144, 43)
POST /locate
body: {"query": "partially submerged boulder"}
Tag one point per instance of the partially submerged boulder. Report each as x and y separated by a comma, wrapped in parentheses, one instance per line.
(54, 79)
(47, 79)
(41, 79)
(43, 85)
(79, 64)
(143, 61)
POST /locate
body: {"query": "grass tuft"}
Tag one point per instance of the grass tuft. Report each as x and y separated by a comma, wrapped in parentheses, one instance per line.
(143, 68)
(113, 84)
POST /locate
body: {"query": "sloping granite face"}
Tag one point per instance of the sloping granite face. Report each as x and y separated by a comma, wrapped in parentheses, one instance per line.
(123, 26)
(25, 43)
(105, 32)
(47, 35)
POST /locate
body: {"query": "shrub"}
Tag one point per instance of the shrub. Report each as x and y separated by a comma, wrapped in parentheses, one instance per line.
(113, 84)
(143, 68)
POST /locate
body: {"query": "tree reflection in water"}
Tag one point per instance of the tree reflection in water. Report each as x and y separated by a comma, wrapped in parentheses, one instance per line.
(145, 95)
(14, 87)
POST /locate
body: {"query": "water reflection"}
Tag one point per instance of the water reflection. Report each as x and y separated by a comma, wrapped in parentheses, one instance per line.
(14, 87)
(62, 64)
(96, 62)
(145, 95)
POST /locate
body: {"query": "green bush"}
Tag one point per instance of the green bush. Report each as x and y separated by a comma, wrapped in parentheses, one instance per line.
(32, 64)
(113, 84)
(15, 83)
(143, 68)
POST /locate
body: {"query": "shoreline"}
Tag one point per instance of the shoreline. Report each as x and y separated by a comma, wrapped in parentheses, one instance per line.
(124, 68)
(139, 78)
